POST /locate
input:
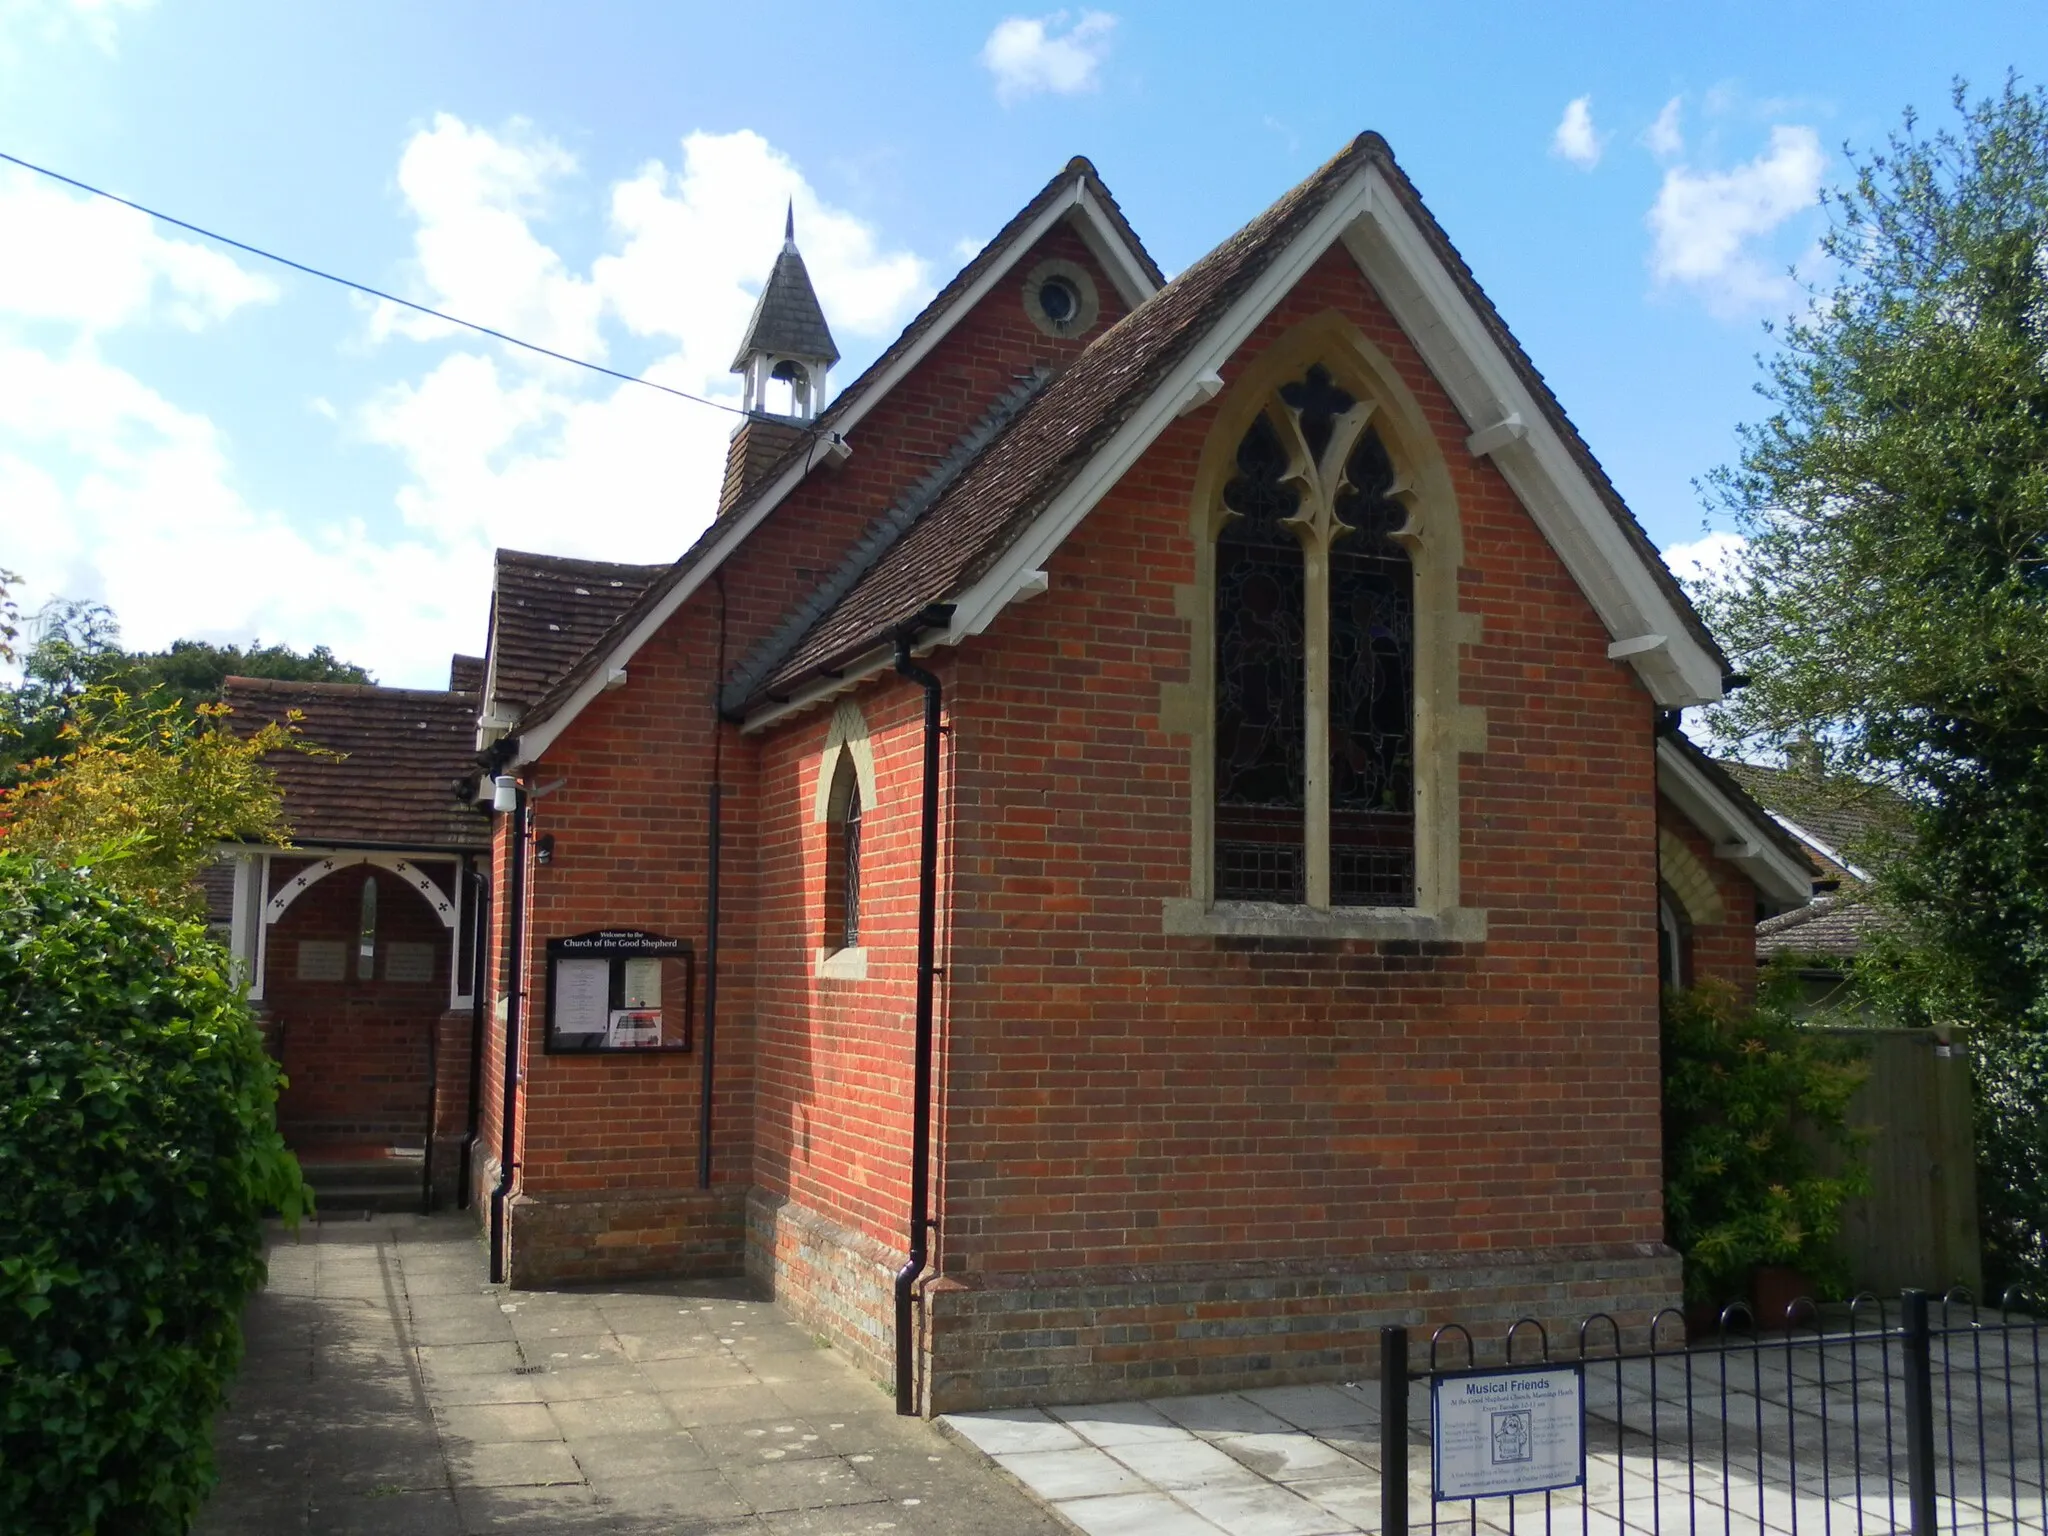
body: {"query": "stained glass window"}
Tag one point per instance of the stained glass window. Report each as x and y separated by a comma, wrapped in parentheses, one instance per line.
(1372, 671)
(849, 889)
(1264, 589)
(1260, 747)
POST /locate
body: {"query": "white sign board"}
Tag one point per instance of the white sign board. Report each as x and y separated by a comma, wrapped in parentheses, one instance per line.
(1513, 1431)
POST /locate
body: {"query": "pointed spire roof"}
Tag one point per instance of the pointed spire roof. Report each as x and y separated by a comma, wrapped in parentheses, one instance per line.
(787, 319)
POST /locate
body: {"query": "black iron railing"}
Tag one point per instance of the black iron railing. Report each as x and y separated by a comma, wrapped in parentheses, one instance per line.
(1923, 1416)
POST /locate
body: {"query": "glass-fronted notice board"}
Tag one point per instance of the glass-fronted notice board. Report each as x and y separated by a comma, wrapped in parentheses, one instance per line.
(620, 989)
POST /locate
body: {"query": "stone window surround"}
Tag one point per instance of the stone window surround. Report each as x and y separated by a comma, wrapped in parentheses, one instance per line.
(1444, 728)
(846, 742)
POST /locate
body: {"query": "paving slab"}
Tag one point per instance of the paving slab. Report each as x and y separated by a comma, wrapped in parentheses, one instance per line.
(387, 1388)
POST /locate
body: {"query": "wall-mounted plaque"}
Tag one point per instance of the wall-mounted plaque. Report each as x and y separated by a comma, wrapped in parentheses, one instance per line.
(408, 962)
(322, 959)
(619, 989)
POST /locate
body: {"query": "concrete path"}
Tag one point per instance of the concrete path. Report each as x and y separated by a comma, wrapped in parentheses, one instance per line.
(388, 1389)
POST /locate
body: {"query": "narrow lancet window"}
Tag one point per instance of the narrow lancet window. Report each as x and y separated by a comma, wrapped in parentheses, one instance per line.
(1372, 670)
(842, 860)
(849, 888)
(1261, 749)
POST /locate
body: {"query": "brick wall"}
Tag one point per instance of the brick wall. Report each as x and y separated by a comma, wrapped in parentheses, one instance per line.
(627, 792)
(1725, 950)
(1121, 1104)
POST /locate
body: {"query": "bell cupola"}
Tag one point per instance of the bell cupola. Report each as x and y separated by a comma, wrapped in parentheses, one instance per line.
(788, 347)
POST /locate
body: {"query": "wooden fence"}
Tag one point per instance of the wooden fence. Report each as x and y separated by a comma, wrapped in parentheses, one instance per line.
(1918, 1225)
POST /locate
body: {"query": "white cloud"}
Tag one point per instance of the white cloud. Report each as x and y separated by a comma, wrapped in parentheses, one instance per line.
(114, 491)
(525, 453)
(1706, 561)
(86, 262)
(1029, 54)
(127, 498)
(1708, 224)
(1664, 138)
(1574, 138)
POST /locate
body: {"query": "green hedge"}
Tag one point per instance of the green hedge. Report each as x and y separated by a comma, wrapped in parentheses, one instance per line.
(139, 1154)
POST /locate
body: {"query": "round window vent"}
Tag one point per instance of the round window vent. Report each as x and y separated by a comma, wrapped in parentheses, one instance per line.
(1060, 298)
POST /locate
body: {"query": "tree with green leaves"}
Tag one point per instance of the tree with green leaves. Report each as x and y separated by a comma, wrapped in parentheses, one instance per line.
(1891, 603)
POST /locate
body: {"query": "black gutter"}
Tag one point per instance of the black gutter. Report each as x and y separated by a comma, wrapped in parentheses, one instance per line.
(716, 841)
(479, 948)
(933, 617)
(515, 940)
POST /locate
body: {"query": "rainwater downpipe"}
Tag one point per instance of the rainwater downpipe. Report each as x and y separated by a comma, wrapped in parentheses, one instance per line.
(515, 994)
(927, 972)
(715, 846)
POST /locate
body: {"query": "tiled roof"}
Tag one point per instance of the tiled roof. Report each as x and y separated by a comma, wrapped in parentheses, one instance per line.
(1853, 818)
(407, 753)
(787, 318)
(547, 611)
(994, 502)
(1832, 927)
(1078, 171)
(465, 674)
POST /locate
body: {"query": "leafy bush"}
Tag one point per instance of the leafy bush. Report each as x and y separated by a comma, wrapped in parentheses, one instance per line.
(1748, 1097)
(138, 1156)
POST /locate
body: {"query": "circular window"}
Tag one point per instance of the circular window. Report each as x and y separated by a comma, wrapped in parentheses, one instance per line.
(1060, 298)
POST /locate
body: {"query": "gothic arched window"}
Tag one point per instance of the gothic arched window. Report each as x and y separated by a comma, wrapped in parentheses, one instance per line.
(1315, 661)
(842, 860)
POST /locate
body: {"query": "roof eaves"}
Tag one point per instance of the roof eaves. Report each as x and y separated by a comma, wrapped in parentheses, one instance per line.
(1699, 787)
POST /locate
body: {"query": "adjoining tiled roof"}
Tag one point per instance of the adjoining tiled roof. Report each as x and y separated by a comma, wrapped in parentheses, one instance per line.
(406, 754)
(1853, 818)
(1077, 171)
(963, 535)
(465, 674)
(1832, 928)
(788, 319)
(547, 611)
(881, 534)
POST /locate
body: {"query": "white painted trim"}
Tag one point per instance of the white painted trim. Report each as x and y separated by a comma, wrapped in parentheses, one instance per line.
(1133, 283)
(262, 928)
(825, 689)
(1817, 845)
(534, 743)
(1448, 331)
(1641, 645)
(1734, 832)
(1509, 429)
(444, 905)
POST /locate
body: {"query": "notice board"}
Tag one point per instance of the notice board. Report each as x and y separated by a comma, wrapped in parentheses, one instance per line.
(619, 989)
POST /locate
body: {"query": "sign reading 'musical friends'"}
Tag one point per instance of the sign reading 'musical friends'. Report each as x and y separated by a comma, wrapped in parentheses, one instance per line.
(1501, 1432)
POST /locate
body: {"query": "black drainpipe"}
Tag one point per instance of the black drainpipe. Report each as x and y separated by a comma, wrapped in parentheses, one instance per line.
(927, 971)
(515, 941)
(479, 947)
(716, 835)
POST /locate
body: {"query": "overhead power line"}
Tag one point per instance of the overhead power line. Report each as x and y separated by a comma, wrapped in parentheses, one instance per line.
(375, 293)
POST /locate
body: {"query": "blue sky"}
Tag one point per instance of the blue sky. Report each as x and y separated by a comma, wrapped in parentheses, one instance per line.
(219, 448)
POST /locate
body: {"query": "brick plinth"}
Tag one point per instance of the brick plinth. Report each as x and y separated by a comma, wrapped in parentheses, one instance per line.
(1082, 1335)
(838, 1282)
(625, 1234)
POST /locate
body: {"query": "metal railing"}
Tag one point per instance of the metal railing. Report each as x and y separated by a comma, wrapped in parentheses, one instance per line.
(1923, 1415)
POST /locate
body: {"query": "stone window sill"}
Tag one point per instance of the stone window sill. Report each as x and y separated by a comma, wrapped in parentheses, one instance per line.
(1276, 920)
(843, 964)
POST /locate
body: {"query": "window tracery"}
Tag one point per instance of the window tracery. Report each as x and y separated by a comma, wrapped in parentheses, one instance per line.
(1314, 724)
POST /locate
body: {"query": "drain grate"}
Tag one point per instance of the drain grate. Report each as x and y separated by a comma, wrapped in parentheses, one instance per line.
(528, 1370)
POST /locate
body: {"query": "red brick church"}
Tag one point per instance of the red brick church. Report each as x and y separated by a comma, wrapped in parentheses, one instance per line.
(1139, 845)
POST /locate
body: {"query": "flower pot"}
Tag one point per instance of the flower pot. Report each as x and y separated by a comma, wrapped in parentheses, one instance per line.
(1776, 1290)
